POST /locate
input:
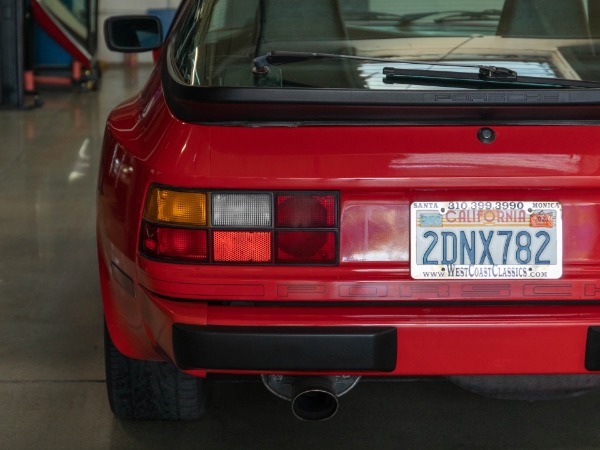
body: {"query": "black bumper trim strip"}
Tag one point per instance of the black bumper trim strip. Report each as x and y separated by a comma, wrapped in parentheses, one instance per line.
(285, 348)
(592, 349)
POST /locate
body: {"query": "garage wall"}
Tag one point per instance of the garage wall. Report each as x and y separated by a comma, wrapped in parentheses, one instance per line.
(108, 8)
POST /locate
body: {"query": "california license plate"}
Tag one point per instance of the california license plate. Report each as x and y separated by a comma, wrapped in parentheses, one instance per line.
(486, 240)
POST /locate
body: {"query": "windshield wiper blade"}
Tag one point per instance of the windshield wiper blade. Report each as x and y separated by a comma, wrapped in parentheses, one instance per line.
(480, 73)
(484, 73)
(491, 74)
(488, 14)
(407, 19)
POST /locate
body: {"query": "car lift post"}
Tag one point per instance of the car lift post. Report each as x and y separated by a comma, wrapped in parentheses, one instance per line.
(11, 53)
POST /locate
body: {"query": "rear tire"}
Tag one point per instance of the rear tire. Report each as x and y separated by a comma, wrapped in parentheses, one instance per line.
(150, 390)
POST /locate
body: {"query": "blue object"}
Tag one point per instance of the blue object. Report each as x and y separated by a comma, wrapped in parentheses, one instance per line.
(165, 15)
(47, 52)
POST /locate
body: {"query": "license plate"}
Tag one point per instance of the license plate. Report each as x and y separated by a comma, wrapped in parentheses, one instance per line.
(486, 240)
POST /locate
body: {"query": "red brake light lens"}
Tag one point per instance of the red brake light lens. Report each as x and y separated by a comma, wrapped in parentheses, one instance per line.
(174, 243)
(306, 210)
(242, 246)
(306, 247)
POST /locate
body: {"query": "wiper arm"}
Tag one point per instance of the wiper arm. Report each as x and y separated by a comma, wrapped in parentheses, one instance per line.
(494, 73)
(262, 63)
(371, 15)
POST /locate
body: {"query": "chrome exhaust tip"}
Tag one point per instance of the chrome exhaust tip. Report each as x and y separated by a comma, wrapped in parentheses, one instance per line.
(313, 398)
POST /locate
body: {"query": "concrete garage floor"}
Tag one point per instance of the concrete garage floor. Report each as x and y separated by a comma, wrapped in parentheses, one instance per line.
(52, 387)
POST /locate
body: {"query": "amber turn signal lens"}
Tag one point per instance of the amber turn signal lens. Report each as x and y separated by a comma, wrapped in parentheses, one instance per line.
(176, 207)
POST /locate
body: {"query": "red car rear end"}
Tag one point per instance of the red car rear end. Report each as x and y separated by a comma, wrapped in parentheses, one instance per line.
(302, 222)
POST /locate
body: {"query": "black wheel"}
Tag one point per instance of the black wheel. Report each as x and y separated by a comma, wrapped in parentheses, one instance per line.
(150, 390)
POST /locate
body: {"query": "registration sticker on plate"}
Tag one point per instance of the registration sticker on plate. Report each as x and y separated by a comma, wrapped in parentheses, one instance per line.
(486, 239)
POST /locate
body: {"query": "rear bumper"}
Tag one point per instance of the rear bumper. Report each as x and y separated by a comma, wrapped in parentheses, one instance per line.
(394, 340)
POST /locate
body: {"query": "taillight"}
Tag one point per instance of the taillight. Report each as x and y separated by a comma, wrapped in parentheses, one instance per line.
(306, 211)
(240, 227)
(242, 246)
(174, 243)
(306, 247)
(176, 207)
(245, 210)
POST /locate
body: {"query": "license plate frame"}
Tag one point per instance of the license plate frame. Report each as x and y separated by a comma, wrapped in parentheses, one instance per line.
(466, 240)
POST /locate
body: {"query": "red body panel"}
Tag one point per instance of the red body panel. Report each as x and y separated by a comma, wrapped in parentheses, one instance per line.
(378, 171)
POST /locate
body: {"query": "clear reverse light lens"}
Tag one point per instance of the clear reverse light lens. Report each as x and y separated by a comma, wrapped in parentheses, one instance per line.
(241, 210)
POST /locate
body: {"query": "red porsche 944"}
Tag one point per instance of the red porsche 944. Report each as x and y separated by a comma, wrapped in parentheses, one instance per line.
(321, 190)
